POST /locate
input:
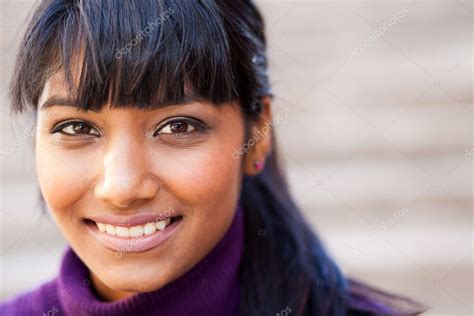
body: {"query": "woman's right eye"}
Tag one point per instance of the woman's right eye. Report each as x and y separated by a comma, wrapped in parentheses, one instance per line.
(76, 128)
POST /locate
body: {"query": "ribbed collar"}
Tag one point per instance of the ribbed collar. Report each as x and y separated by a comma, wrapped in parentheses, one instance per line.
(211, 287)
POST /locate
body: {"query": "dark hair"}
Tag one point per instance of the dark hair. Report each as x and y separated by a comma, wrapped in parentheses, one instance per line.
(149, 53)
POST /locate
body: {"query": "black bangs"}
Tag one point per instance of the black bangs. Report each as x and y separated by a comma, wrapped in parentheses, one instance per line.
(141, 54)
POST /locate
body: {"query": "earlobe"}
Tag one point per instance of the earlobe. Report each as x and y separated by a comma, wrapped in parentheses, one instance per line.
(260, 139)
(258, 164)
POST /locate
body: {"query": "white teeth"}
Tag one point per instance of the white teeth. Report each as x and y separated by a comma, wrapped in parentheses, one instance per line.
(110, 229)
(135, 231)
(150, 228)
(101, 227)
(122, 231)
(161, 225)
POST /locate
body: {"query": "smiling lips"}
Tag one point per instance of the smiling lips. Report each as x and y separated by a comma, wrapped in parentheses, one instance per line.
(135, 231)
(136, 234)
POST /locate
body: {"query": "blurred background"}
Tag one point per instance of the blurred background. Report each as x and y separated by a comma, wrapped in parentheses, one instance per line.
(377, 139)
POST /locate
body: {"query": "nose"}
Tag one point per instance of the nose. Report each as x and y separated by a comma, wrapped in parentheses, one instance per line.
(126, 177)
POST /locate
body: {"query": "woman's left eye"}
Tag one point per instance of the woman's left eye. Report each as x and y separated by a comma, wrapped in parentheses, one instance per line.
(181, 126)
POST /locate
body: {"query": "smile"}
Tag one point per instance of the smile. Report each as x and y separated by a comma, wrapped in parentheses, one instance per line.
(135, 231)
(134, 235)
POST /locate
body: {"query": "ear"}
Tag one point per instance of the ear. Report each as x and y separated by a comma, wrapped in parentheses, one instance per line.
(259, 143)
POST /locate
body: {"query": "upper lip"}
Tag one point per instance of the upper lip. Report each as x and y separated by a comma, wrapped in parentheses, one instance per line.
(129, 221)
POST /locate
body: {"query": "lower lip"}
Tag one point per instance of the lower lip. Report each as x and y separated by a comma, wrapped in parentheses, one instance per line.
(123, 245)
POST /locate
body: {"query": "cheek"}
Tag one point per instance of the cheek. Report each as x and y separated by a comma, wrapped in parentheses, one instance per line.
(207, 180)
(63, 177)
(204, 177)
(201, 176)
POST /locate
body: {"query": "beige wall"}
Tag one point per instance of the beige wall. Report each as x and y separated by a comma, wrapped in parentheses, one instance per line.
(377, 144)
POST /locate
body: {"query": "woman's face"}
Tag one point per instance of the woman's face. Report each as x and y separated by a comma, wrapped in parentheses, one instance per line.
(130, 170)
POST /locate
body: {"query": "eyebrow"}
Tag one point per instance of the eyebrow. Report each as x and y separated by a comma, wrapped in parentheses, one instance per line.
(58, 101)
(64, 101)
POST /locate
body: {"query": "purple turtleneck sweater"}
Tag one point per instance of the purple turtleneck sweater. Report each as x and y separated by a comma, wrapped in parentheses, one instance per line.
(211, 287)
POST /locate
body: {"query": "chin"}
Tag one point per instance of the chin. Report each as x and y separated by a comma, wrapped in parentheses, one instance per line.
(140, 288)
(127, 281)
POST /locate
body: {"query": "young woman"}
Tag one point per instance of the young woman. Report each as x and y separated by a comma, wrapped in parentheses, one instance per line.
(156, 158)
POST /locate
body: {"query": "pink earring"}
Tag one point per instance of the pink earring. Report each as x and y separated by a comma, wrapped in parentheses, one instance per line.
(258, 164)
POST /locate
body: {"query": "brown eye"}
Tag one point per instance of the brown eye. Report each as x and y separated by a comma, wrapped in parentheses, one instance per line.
(76, 128)
(181, 127)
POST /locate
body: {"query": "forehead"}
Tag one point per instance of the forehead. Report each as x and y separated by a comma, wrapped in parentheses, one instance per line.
(56, 91)
(55, 85)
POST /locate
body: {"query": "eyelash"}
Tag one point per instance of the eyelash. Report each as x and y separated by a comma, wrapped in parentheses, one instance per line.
(60, 128)
(197, 125)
